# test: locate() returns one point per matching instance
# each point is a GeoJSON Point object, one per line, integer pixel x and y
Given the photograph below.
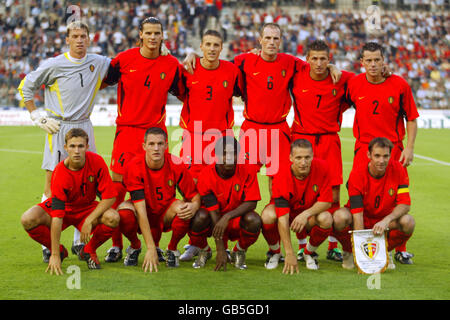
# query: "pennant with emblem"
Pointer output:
{"type": "Point", "coordinates": [369, 251]}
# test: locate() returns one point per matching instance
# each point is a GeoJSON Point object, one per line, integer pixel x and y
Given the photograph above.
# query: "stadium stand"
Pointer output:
{"type": "Point", "coordinates": [414, 32]}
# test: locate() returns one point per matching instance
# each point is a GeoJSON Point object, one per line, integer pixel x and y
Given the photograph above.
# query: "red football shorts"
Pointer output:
{"type": "Point", "coordinates": [265, 144]}
{"type": "Point", "coordinates": [74, 218]}
{"type": "Point", "coordinates": [198, 149]}
{"type": "Point", "coordinates": [127, 144]}
{"type": "Point", "coordinates": [156, 219]}
{"type": "Point", "coordinates": [326, 147]}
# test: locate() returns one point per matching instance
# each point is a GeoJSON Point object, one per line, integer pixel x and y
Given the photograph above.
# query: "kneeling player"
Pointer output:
{"type": "Point", "coordinates": [74, 186]}
{"type": "Point", "coordinates": [301, 196]}
{"type": "Point", "coordinates": [230, 192]}
{"type": "Point", "coordinates": [152, 180]}
{"type": "Point", "coordinates": [379, 199]}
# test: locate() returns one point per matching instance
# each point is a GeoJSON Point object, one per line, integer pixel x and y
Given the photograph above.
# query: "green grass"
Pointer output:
{"type": "Point", "coordinates": [22, 273]}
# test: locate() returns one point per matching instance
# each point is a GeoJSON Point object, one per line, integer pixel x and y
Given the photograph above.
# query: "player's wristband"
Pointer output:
{"type": "Point", "coordinates": [35, 115]}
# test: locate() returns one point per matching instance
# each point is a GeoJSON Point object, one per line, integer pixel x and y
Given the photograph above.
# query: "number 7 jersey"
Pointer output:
{"type": "Point", "coordinates": [381, 108]}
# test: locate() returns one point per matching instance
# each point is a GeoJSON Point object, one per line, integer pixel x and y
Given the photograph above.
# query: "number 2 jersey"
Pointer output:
{"type": "Point", "coordinates": [381, 108]}
{"type": "Point", "coordinates": [143, 85]}
{"type": "Point", "coordinates": [74, 191]}
{"type": "Point", "coordinates": [158, 187]}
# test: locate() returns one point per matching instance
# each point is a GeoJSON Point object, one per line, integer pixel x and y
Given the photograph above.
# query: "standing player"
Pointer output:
{"type": "Point", "coordinates": [378, 199]}
{"type": "Point", "coordinates": [381, 106]}
{"type": "Point", "coordinates": [144, 78]}
{"type": "Point", "coordinates": [207, 101]}
{"type": "Point", "coordinates": [265, 134]}
{"type": "Point", "coordinates": [301, 198]}
{"type": "Point", "coordinates": [71, 81]}
{"type": "Point", "coordinates": [318, 107]}
{"type": "Point", "coordinates": [230, 192]}
{"type": "Point", "coordinates": [76, 181]}
{"type": "Point", "coordinates": [207, 111]}
{"type": "Point", "coordinates": [152, 180]}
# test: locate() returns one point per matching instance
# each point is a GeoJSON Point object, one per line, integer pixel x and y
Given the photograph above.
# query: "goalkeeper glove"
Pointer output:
{"type": "Point", "coordinates": [49, 125]}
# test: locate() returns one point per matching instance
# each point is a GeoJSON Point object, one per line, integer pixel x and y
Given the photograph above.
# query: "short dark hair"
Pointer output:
{"type": "Point", "coordinates": [380, 142]}
{"type": "Point", "coordinates": [155, 131]}
{"type": "Point", "coordinates": [214, 33]}
{"type": "Point", "coordinates": [372, 47]}
{"type": "Point", "coordinates": [270, 25]}
{"type": "Point", "coordinates": [301, 143]}
{"type": "Point", "coordinates": [222, 142]}
{"type": "Point", "coordinates": [75, 133]}
{"type": "Point", "coordinates": [317, 45]}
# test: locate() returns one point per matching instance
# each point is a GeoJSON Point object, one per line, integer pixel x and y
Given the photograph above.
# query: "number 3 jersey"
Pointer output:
{"type": "Point", "coordinates": [158, 187]}
{"type": "Point", "coordinates": [209, 96]}
{"type": "Point", "coordinates": [70, 85]}
{"type": "Point", "coordinates": [381, 108]}
{"type": "Point", "coordinates": [143, 85]}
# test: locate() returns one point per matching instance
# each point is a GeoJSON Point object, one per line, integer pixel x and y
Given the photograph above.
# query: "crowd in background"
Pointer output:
{"type": "Point", "coordinates": [416, 42]}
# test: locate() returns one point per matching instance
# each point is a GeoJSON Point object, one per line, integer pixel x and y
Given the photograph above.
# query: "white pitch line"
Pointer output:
{"type": "Point", "coordinates": [431, 159]}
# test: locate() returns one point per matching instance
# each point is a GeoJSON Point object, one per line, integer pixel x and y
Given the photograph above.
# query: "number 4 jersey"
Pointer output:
{"type": "Point", "coordinates": [381, 108]}
{"type": "Point", "coordinates": [143, 85]}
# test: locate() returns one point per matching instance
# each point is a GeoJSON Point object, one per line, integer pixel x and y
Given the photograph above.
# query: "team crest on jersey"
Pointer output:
{"type": "Point", "coordinates": [162, 75]}
{"type": "Point", "coordinates": [315, 188]}
{"type": "Point", "coordinates": [91, 179]}
{"type": "Point", "coordinates": [170, 183]}
{"type": "Point", "coordinates": [334, 92]}
{"type": "Point", "coordinates": [370, 249]}
{"type": "Point", "coordinates": [283, 73]}
{"type": "Point", "coordinates": [391, 100]}
{"type": "Point", "coordinates": [225, 84]}
{"type": "Point", "coordinates": [237, 187]}
{"type": "Point", "coordinates": [391, 192]}
{"type": "Point", "coordinates": [92, 68]}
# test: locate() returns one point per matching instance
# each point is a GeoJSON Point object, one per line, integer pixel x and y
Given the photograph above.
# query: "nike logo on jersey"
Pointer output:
{"type": "Point", "coordinates": [305, 91]}
{"type": "Point", "coordinates": [256, 73]}
{"type": "Point", "coordinates": [132, 70]}
{"type": "Point", "coordinates": [194, 82]}
{"type": "Point", "coordinates": [360, 98]}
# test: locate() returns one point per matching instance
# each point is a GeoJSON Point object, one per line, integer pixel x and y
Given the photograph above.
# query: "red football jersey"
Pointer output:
{"type": "Point", "coordinates": [209, 96]}
{"type": "Point", "coordinates": [294, 195]}
{"type": "Point", "coordinates": [380, 108]}
{"type": "Point", "coordinates": [158, 187]}
{"type": "Point", "coordinates": [376, 198]}
{"type": "Point", "coordinates": [73, 191]}
{"type": "Point", "coordinates": [265, 86]}
{"type": "Point", "coordinates": [227, 194]}
{"type": "Point", "coordinates": [142, 87]}
{"type": "Point", "coordinates": [318, 105]}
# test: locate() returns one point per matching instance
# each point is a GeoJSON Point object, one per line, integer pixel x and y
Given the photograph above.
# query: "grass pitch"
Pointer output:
{"type": "Point", "coordinates": [22, 273]}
